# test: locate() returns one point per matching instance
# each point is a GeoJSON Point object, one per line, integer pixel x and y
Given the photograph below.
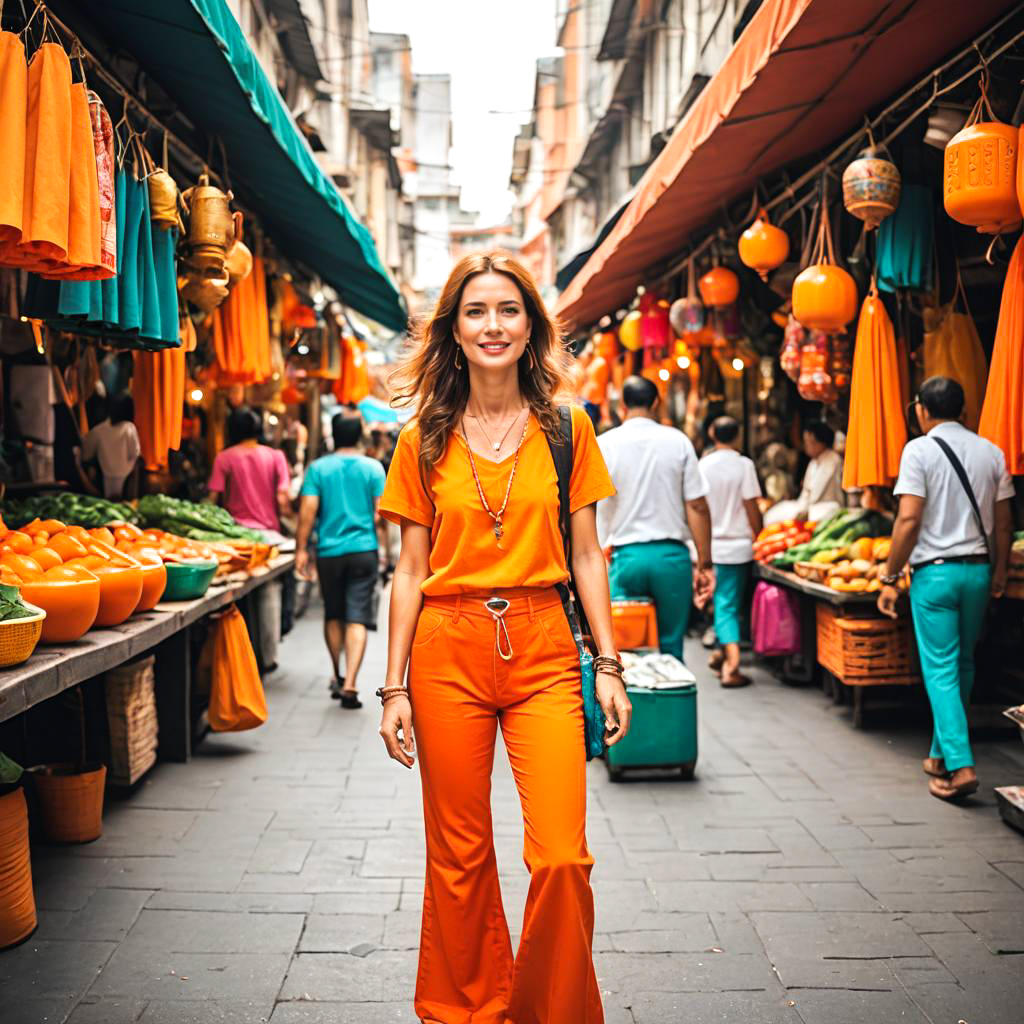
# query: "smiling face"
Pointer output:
{"type": "Point", "coordinates": [491, 323]}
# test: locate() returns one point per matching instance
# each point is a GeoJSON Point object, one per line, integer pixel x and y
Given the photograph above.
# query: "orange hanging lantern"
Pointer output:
{"type": "Point", "coordinates": [719, 287]}
{"type": "Point", "coordinates": [629, 331]}
{"type": "Point", "coordinates": [979, 185]}
{"type": "Point", "coordinates": [763, 246]}
{"type": "Point", "coordinates": [824, 295]}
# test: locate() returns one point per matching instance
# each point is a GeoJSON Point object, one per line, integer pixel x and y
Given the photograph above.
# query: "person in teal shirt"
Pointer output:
{"type": "Point", "coordinates": [954, 529]}
{"type": "Point", "coordinates": [340, 496]}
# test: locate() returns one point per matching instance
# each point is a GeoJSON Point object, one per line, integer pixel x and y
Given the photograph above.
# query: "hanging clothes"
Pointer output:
{"type": "Point", "coordinates": [877, 430]}
{"type": "Point", "coordinates": [1002, 415]}
{"type": "Point", "coordinates": [13, 110]}
{"type": "Point", "coordinates": [241, 331]}
{"type": "Point", "coordinates": [906, 242]}
{"type": "Point", "coordinates": [158, 388]}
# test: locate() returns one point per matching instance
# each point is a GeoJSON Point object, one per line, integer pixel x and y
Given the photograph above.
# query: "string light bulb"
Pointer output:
{"type": "Point", "coordinates": [196, 394]}
{"type": "Point", "coordinates": [683, 362]}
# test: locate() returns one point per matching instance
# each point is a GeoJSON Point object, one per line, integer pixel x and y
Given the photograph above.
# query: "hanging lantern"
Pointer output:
{"type": "Point", "coordinates": [686, 315]}
{"type": "Point", "coordinates": [763, 246]}
{"type": "Point", "coordinates": [980, 179]}
{"type": "Point", "coordinates": [792, 343]}
{"type": "Point", "coordinates": [655, 329]}
{"type": "Point", "coordinates": [815, 382]}
{"type": "Point", "coordinates": [824, 295]}
{"type": "Point", "coordinates": [871, 187]}
{"type": "Point", "coordinates": [629, 331]}
{"type": "Point", "coordinates": [719, 287]}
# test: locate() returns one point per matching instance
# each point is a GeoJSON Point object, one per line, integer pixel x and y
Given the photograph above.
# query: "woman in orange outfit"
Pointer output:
{"type": "Point", "coordinates": [478, 623]}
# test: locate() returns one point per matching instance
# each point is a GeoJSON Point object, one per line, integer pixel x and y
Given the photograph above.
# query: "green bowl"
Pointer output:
{"type": "Point", "coordinates": [187, 582]}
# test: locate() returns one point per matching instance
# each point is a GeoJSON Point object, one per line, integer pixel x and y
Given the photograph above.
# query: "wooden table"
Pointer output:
{"type": "Point", "coordinates": [165, 630]}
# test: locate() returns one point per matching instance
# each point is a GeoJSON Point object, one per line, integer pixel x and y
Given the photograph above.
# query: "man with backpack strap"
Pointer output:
{"type": "Point", "coordinates": [953, 529]}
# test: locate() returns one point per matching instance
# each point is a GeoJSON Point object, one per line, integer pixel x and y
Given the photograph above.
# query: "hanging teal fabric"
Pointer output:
{"type": "Point", "coordinates": [130, 293]}
{"type": "Point", "coordinates": [906, 242]}
{"type": "Point", "coordinates": [149, 295]}
{"type": "Point", "coordinates": [165, 241]}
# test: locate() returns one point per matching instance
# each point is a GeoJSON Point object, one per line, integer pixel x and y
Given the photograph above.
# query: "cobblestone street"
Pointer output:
{"type": "Point", "coordinates": [805, 876]}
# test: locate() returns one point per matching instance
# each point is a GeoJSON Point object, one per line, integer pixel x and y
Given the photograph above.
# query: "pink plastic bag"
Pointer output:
{"type": "Point", "coordinates": [775, 621]}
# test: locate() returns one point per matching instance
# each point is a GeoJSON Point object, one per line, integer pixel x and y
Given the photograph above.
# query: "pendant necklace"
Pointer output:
{"type": "Point", "coordinates": [480, 423]}
{"type": "Point", "coordinates": [499, 530]}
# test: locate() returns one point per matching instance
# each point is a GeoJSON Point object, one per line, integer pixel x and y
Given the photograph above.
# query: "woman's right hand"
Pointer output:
{"type": "Point", "coordinates": [396, 730]}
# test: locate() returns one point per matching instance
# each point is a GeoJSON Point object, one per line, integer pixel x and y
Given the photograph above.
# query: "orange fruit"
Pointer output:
{"type": "Point", "coordinates": [103, 534]}
{"type": "Point", "coordinates": [46, 557]}
{"type": "Point", "coordinates": [10, 577]}
{"type": "Point", "coordinates": [18, 542]}
{"type": "Point", "coordinates": [23, 566]}
{"type": "Point", "coordinates": [68, 546]}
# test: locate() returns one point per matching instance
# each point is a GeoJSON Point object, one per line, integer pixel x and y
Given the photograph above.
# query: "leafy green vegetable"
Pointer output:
{"type": "Point", "coordinates": [187, 519]}
{"type": "Point", "coordinates": [9, 771]}
{"type": "Point", "coordinates": [10, 604]}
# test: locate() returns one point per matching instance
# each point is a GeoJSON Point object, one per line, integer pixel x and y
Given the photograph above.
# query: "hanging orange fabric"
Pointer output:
{"type": "Point", "coordinates": [354, 384]}
{"type": "Point", "coordinates": [158, 387]}
{"type": "Point", "coordinates": [84, 255]}
{"type": "Point", "coordinates": [237, 701]}
{"type": "Point", "coordinates": [241, 331]}
{"type": "Point", "coordinates": [1002, 416]}
{"type": "Point", "coordinates": [877, 430]}
{"type": "Point", "coordinates": [47, 200]}
{"type": "Point", "coordinates": [14, 90]}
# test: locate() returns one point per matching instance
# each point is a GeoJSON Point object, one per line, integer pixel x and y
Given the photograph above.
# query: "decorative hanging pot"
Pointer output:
{"type": "Point", "coordinates": [209, 226]}
{"type": "Point", "coordinates": [655, 329]}
{"type": "Point", "coordinates": [163, 194]}
{"type": "Point", "coordinates": [629, 331]}
{"type": "Point", "coordinates": [763, 246]}
{"type": "Point", "coordinates": [979, 185]}
{"type": "Point", "coordinates": [871, 186]}
{"type": "Point", "coordinates": [719, 287]}
{"type": "Point", "coordinates": [792, 345]}
{"type": "Point", "coordinates": [238, 262]}
{"type": "Point", "coordinates": [686, 315]}
{"type": "Point", "coordinates": [824, 295]}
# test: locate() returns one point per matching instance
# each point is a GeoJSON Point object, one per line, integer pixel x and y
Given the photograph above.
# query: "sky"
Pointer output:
{"type": "Point", "coordinates": [491, 57]}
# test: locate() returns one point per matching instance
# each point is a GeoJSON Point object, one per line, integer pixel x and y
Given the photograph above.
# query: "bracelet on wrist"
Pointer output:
{"type": "Point", "coordinates": [386, 693]}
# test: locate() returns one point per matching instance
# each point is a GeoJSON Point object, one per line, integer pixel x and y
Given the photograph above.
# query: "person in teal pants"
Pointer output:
{"type": "Point", "coordinates": [953, 528]}
{"type": "Point", "coordinates": [733, 492]}
{"type": "Point", "coordinates": [659, 506]}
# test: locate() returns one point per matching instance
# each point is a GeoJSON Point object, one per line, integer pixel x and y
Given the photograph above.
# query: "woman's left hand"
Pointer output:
{"type": "Point", "coordinates": [611, 695]}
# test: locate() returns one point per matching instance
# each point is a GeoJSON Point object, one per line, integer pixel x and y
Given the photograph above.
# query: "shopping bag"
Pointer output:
{"type": "Point", "coordinates": [236, 690]}
{"type": "Point", "coordinates": [775, 621]}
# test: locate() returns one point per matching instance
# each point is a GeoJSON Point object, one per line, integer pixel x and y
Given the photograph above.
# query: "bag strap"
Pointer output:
{"type": "Point", "coordinates": [961, 473]}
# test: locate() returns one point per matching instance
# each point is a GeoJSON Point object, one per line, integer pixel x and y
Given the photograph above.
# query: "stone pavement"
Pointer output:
{"type": "Point", "coordinates": [805, 877]}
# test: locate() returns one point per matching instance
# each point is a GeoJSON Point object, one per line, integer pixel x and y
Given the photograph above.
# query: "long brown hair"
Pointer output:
{"type": "Point", "coordinates": [431, 378]}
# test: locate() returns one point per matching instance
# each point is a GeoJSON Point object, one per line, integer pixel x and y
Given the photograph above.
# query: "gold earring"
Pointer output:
{"type": "Point", "coordinates": [529, 355]}
{"type": "Point", "coordinates": [458, 352]}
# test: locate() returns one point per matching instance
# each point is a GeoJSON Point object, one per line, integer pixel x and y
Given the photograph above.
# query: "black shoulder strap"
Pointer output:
{"type": "Point", "coordinates": [958, 468]}
{"type": "Point", "coordinates": [562, 456]}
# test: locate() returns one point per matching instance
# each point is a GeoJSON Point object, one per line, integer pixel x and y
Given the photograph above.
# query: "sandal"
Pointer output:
{"type": "Point", "coordinates": [716, 661]}
{"type": "Point", "coordinates": [945, 790]}
{"type": "Point", "coordinates": [736, 681]}
{"type": "Point", "coordinates": [350, 700]}
{"type": "Point", "coordinates": [336, 685]}
{"type": "Point", "coordinates": [935, 767]}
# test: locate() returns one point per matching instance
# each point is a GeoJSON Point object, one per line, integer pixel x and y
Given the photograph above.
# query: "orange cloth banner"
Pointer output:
{"type": "Point", "coordinates": [1002, 416]}
{"type": "Point", "coordinates": [877, 430]}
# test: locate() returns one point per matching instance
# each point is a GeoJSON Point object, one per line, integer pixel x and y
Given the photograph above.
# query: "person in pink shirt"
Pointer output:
{"type": "Point", "coordinates": [252, 482]}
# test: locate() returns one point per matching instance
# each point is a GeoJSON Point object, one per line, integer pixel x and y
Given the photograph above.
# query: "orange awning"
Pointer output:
{"type": "Point", "coordinates": [803, 73]}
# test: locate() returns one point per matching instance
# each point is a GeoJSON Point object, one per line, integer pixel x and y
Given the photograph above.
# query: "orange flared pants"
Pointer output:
{"type": "Point", "coordinates": [462, 689]}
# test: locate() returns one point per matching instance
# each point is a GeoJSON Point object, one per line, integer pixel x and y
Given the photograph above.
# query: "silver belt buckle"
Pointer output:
{"type": "Point", "coordinates": [497, 606]}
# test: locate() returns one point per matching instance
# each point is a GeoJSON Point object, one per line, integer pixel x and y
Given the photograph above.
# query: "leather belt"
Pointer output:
{"type": "Point", "coordinates": [955, 558]}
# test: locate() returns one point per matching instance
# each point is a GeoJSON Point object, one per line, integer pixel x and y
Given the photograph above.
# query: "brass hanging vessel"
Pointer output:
{"type": "Point", "coordinates": [210, 227]}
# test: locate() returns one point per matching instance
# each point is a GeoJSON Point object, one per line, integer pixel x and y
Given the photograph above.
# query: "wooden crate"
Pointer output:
{"type": "Point", "coordinates": [867, 652]}
{"type": "Point", "coordinates": [132, 719]}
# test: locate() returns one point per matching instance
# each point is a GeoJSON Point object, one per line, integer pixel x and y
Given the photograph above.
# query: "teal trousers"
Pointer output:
{"type": "Point", "coordinates": [730, 589]}
{"type": "Point", "coordinates": [660, 570]}
{"type": "Point", "coordinates": [949, 602]}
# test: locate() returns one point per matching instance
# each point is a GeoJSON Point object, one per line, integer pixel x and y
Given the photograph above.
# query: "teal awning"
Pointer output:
{"type": "Point", "coordinates": [196, 51]}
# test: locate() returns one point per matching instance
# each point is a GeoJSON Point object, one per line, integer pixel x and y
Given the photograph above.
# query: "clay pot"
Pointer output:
{"type": "Point", "coordinates": [979, 185]}
{"type": "Point", "coordinates": [719, 287]}
{"type": "Point", "coordinates": [763, 246]}
{"type": "Point", "coordinates": [871, 187]}
{"type": "Point", "coordinates": [71, 802]}
{"type": "Point", "coordinates": [824, 298]}
{"type": "Point", "coordinates": [17, 901]}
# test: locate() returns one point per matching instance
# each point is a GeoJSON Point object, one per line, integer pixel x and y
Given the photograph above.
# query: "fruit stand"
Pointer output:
{"type": "Point", "coordinates": [165, 630]}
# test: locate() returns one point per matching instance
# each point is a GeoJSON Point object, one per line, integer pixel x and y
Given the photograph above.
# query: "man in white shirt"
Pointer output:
{"type": "Point", "coordinates": [114, 444]}
{"type": "Point", "coordinates": [733, 490]}
{"type": "Point", "coordinates": [947, 528]}
{"type": "Point", "coordinates": [821, 493]}
{"type": "Point", "coordinates": [659, 491]}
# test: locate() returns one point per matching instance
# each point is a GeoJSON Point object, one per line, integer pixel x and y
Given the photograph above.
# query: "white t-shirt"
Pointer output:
{"type": "Point", "coordinates": [116, 447]}
{"type": "Point", "coordinates": [823, 481]}
{"type": "Point", "coordinates": [948, 526]}
{"type": "Point", "coordinates": [731, 480]}
{"type": "Point", "coordinates": [654, 469]}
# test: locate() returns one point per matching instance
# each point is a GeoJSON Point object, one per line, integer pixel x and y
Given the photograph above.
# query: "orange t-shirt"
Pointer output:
{"type": "Point", "coordinates": [464, 554]}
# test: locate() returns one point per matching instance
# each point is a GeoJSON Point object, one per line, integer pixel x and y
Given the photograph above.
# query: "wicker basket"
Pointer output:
{"type": "Point", "coordinates": [18, 637]}
{"type": "Point", "coordinates": [867, 652]}
{"type": "Point", "coordinates": [132, 719]}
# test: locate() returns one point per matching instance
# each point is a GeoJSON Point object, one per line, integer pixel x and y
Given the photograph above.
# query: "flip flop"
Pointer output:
{"type": "Point", "coordinates": [736, 681]}
{"type": "Point", "coordinates": [930, 767]}
{"type": "Point", "coordinates": [716, 661]}
{"type": "Point", "coordinates": [945, 791]}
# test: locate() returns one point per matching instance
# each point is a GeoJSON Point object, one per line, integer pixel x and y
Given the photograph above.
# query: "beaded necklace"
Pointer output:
{"type": "Point", "coordinates": [499, 530]}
